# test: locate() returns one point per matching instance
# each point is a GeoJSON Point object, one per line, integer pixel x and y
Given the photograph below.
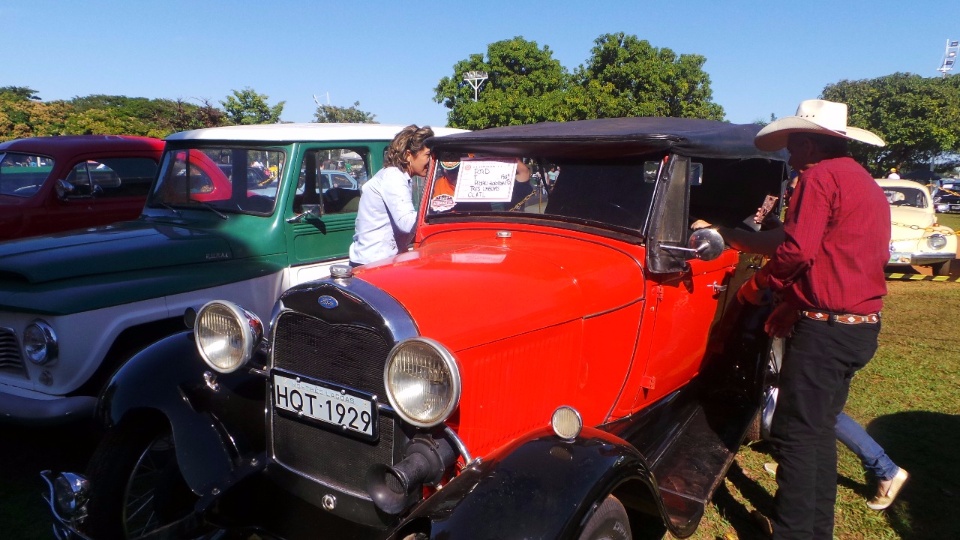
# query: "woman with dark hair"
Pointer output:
{"type": "Point", "coordinates": [386, 216]}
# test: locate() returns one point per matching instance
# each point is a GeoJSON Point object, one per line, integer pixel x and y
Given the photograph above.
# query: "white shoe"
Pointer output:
{"type": "Point", "coordinates": [771, 468]}
{"type": "Point", "coordinates": [887, 490]}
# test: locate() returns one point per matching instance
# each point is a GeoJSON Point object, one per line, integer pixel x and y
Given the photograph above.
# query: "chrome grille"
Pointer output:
{"type": "Point", "coordinates": [346, 355]}
{"type": "Point", "coordinates": [338, 460]}
{"type": "Point", "coordinates": [10, 359]}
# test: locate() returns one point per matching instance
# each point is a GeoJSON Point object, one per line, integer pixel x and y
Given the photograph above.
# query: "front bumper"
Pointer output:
{"type": "Point", "coordinates": [15, 407]}
{"type": "Point", "coordinates": [919, 259]}
{"type": "Point", "coordinates": [947, 207]}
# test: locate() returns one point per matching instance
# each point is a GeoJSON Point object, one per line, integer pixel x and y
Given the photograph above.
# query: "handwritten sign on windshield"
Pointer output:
{"type": "Point", "coordinates": [485, 180]}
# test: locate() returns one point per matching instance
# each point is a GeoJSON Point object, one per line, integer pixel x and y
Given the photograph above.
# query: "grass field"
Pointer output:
{"type": "Point", "coordinates": [908, 397]}
{"type": "Point", "coordinates": [950, 220]}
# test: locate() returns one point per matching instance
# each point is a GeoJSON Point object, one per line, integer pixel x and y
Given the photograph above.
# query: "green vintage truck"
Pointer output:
{"type": "Point", "coordinates": [239, 212]}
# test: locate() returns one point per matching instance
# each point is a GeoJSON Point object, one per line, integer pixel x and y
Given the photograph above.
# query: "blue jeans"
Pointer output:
{"type": "Point", "coordinates": [871, 454]}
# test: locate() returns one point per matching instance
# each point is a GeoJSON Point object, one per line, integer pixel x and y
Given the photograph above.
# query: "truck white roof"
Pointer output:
{"type": "Point", "coordinates": [311, 131]}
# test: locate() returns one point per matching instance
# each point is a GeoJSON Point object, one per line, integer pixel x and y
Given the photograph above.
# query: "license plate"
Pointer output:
{"type": "Point", "coordinates": [326, 403]}
{"type": "Point", "coordinates": [902, 258]}
{"type": "Point", "coordinates": [955, 206]}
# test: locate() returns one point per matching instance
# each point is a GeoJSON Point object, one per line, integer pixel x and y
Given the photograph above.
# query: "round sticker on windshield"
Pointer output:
{"type": "Point", "coordinates": [442, 203]}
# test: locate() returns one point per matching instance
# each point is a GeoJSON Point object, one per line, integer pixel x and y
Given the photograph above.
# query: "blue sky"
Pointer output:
{"type": "Point", "coordinates": [763, 57]}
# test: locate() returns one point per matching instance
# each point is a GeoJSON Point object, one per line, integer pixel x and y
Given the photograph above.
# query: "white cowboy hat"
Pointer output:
{"type": "Point", "coordinates": [813, 116]}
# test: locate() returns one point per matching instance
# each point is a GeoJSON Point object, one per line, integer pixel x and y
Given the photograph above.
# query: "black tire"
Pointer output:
{"type": "Point", "coordinates": [759, 428]}
{"type": "Point", "coordinates": [941, 269]}
{"type": "Point", "coordinates": [608, 522]}
{"type": "Point", "coordinates": [135, 483]}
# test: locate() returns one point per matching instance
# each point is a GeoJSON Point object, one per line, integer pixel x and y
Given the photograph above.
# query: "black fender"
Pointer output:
{"type": "Point", "coordinates": [218, 420]}
{"type": "Point", "coordinates": [540, 486]}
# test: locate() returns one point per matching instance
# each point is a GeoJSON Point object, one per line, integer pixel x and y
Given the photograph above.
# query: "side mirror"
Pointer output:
{"type": "Point", "coordinates": [707, 242]}
{"type": "Point", "coordinates": [311, 212]}
{"type": "Point", "coordinates": [704, 244]}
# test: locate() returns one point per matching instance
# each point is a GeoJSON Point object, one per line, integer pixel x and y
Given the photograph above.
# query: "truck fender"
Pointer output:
{"type": "Point", "coordinates": [206, 415]}
{"type": "Point", "coordinates": [540, 486]}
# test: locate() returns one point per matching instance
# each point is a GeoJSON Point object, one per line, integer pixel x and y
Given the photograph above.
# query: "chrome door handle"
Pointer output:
{"type": "Point", "coordinates": [717, 288]}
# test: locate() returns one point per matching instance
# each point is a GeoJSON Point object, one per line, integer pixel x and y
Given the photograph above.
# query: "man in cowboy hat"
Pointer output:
{"type": "Point", "coordinates": [828, 273]}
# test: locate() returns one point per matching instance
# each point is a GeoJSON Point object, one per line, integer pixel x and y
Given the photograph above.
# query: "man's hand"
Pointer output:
{"type": "Point", "coordinates": [751, 292]}
{"type": "Point", "coordinates": [780, 322]}
{"type": "Point", "coordinates": [700, 224]}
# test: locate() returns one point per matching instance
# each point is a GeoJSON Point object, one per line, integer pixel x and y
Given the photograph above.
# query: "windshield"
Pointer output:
{"type": "Point", "coordinates": [905, 196]}
{"type": "Point", "coordinates": [228, 179]}
{"type": "Point", "coordinates": [615, 193]}
{"type": "Point", "coordinates": [22, 175]}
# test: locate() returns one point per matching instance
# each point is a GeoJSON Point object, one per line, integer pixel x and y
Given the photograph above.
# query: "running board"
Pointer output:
{"type": "Point", "coordinates": [691, 469]}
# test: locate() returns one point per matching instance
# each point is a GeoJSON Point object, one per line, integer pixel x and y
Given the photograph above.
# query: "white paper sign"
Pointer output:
{"type": "Point", "coordinates": [485, 180]}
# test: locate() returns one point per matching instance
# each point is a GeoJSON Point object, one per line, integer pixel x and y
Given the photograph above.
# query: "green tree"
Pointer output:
{"type": "Point", "coordinates": [525, 84]}
{"type": "Point", "coordinates": [327, 114]}
{"type": "Point", "coordinates": [21, 117]}
{"type": "Point", "coordinates": [641, 80]}
{"type": "Point", "coordinates": [918, 117]}
{"type": "Point", "coordinates": [188, 116]}
{"type": "Point", "coordinates": [20, 92]}
{"type": "Point", "coordinates": [247, 107]}
{"type": "Point", "coordinates": [625, 76]}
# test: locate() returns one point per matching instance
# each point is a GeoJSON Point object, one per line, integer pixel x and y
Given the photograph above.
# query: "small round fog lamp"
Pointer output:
{"type": "Point", "coordinates": [566, 422]}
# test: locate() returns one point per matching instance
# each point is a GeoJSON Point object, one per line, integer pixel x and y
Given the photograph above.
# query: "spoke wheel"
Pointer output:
{"type": "Point", "coordinates": [136, 486]}
{"type": "Point", "coordinates": [770, 382]}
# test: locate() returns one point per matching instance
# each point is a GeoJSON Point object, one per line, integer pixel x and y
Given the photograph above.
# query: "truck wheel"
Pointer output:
{"type": "Point", "coordinates": [135, 483]}
{"type": "Point", "coordinates": [608, 522]}
{"type": "Point", "coordinates": [941, 269]}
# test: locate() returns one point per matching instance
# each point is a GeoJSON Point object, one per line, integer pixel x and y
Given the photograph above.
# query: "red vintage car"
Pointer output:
{"type": "Point", "coordinates": [53, 184]}
{"type": "Point", "coordinates": [563, 365]}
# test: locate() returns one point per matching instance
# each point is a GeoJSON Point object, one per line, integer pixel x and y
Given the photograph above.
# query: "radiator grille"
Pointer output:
{"type": "Point", "coordinates": [345, 355]}
{"type": "Point", "coordinates": [338, 460]}
{"type": "Point", "coordinates": [10, 359]}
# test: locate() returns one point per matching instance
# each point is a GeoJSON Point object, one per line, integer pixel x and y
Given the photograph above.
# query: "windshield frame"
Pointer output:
{"type": "Point", "coordinates": [627, 173]}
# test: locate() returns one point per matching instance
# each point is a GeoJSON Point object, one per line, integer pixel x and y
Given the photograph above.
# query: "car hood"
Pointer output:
{"type": "Point", "coordinates": [903, 216]}
{"type": "Point", "coordinates": [122, 247]}
{"type": "Point", "coordinates": [522, 283]}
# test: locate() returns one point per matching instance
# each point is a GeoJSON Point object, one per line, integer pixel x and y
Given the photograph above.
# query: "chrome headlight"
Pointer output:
{"type": "Point", "coordinates": [226, 335]}
{"type": "Point", "coordinates": [422, 381]}
{"type": "Point", "coordinates": [40, 343]}
{"type": "Point", "coordinates": [936, 241]}
{"type": "Point", "coordinates": [70, 492]}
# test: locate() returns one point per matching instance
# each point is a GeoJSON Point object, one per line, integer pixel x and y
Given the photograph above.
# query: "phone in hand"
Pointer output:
{"type": "Point", "coordinates": [765, 208]}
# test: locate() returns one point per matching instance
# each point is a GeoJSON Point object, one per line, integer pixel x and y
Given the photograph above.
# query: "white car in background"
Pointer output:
{"type": "Point", "coordinates": [916, 238]}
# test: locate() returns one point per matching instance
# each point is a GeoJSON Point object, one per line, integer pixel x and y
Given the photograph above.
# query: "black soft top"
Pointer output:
{"type": "Point", "coordinates": [607, 138]}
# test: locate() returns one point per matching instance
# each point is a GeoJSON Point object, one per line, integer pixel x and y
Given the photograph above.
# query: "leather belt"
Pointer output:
{"type": "Point", "coordinates": [842, 318]}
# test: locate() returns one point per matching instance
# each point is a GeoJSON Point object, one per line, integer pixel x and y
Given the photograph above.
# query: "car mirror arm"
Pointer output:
{"type": "Point", "coordinates": [704, 244]}
{"type": "Point", "coordinates": [311, 212]}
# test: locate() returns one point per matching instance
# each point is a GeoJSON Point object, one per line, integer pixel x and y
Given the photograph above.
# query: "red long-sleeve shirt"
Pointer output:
{"type": "Point", "coordinates": [837, 241]}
